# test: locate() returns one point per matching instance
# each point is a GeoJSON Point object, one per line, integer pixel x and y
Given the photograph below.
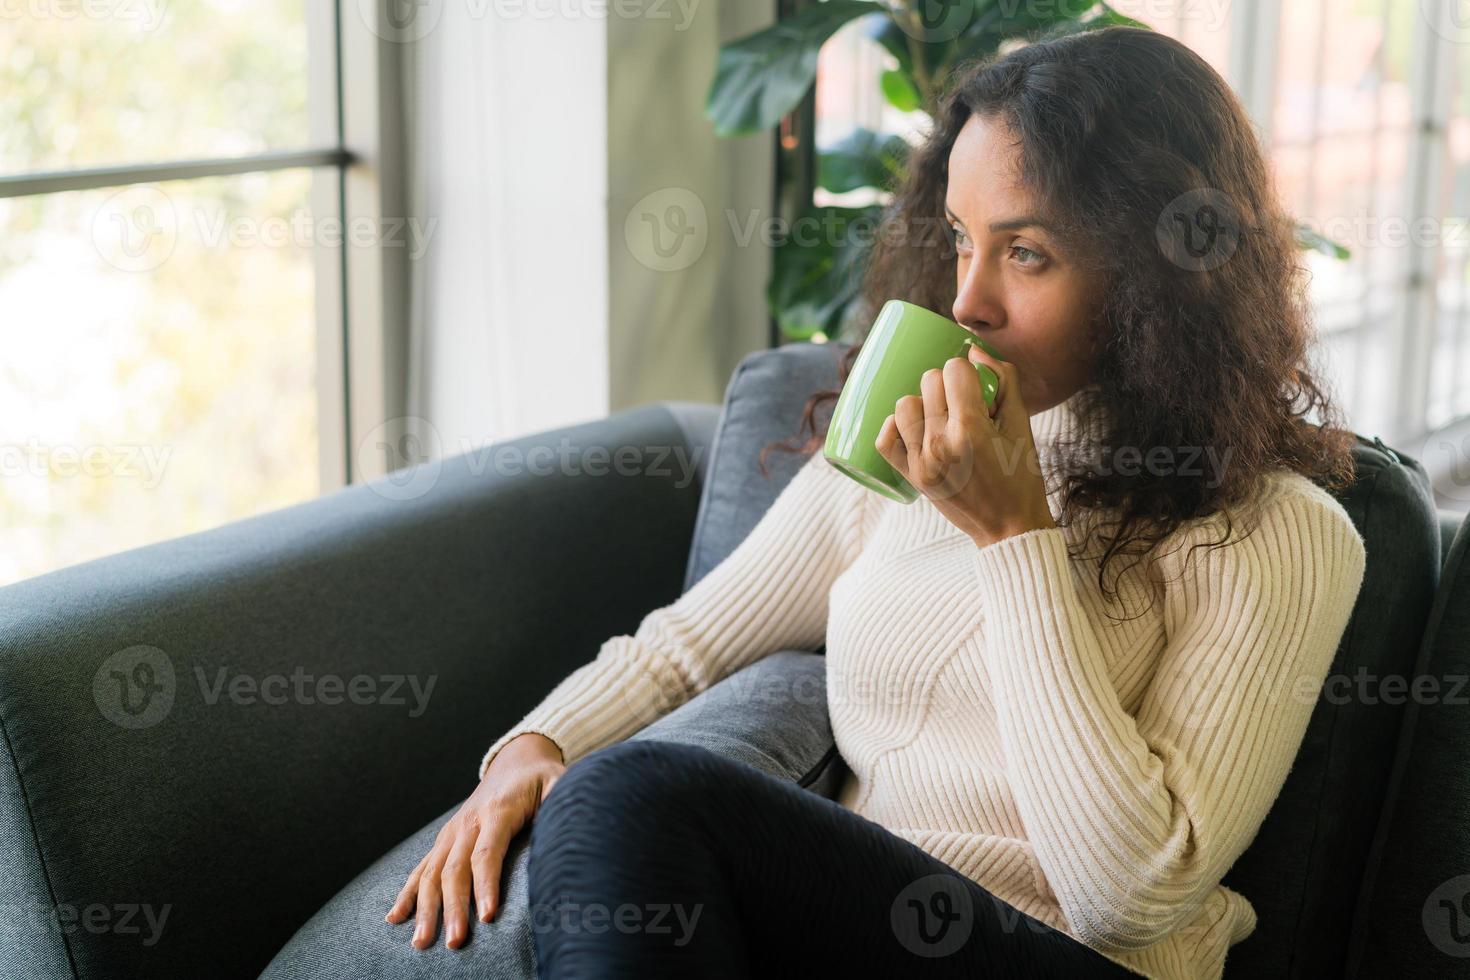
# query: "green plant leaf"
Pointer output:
{"type": "Point", "coordinates": [899, 90]}
{"type": "Point", "coordinates": [1310, 240]}
{"type": "Point", "coordinates": [883, 30]}
{"type": "Point", "coordinates": [762, 76]}
{"type": "Point", "coordinates": [816, 271]}
{"type": "Point", "coordinates": [863, 159]}
{"type": "Point", "coordinates": [1106, 17]}
{"type": "Point", "coordinates": [999, 22]}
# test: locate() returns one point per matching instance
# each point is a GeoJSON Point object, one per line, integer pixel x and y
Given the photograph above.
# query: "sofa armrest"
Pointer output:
{"type": "Point", "coordinates": [218, 731]}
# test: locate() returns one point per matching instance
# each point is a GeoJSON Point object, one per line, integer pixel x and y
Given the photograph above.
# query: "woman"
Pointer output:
{"type": "Point", "coordinates": [1070, 679]}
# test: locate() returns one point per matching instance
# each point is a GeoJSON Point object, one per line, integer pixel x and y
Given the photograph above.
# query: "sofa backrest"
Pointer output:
{"type": "Point", "coordinates": [1415, 919]}
{"type": "Point", "coordinates": [1303, 871]}
{"type": "Point", "coordinates": [763, 404]}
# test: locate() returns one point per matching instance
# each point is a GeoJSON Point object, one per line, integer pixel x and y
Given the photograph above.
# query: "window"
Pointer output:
{"type": "Point", "coordinates": [170, 270]}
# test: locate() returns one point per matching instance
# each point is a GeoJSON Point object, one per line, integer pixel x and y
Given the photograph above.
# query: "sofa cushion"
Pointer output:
{"type": "Point", "coordinates": [763, 403]}
{"type": "Point", "coordinates": [1413, 920]}
{"type": "Point", "coordinates": [348, 939]}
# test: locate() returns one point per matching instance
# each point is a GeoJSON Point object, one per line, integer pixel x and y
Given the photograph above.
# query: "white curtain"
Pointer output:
{"type": "Point", "coordinates": [506, 156]}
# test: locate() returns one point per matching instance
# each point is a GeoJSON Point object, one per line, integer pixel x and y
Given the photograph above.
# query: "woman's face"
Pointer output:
{"type": "Point", "coordinates": [1015, 287]}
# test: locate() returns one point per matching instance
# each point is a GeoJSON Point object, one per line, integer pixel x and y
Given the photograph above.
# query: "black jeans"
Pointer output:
{"type": "Point", "coordinates": [654, 859]}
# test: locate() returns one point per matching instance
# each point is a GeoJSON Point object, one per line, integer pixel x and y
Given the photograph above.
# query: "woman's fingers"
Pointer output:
{"type": "Point", "coordinates": [908, 413]}
{"type": "Point", "coordinates": [407, 894]}
{"type": "Point", "coordinates": [931, 392]}
{"type": "Point", "coordinates": [454, 885]}
{"type": "Point", "coordinates": [488, 859]}
{"type": "Point", "coordinates": [427, 916]}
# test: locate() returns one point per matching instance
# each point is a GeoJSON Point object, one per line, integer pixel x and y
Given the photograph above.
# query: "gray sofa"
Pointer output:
{"type": "Point", "coordinates": [207, 740]}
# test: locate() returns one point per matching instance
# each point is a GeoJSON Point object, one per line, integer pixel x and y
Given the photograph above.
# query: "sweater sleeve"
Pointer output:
{"type": "Point", "coordinates": [1136, 816]}
{"type": "Point", "coordinates": [769, 594]}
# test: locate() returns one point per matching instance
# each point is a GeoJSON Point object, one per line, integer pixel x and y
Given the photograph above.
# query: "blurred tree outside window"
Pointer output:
{"type": "Point", "coordinates": [159, 339]}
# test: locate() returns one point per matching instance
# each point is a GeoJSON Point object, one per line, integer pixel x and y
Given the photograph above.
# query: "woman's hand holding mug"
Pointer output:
{"type": "Point", "coordinates": [978, 465]}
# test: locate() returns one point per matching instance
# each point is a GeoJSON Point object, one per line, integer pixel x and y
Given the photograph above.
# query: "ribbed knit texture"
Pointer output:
{"type": "Point", "coordinates": [1101, 774]}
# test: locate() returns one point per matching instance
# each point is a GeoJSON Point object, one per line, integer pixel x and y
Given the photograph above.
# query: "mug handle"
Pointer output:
{"type": "Point", "coordinates": [989, 382]}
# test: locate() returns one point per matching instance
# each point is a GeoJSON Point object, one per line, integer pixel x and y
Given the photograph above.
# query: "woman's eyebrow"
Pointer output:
{"type": "Point", "coordinates": [1016, 224]}
{"type": "Point", "coordinates": [1009, 224]}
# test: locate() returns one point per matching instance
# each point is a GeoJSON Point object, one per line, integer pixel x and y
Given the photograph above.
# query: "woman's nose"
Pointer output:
{"type": "Point", "coordinates": [977, 302]}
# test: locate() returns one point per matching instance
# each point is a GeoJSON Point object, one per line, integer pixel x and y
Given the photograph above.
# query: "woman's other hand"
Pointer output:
{"type": "Point", "coordinates": [468, 855]}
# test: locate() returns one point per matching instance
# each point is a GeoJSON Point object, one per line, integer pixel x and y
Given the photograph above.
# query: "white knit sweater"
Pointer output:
{"type": "Point", "coordinates": [1100, 775]}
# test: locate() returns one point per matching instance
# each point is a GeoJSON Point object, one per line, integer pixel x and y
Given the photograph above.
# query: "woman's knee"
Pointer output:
{"type": "Point", "coordinates": [609, 799]}
{"type": "Point", "coordinates": [642, 775]}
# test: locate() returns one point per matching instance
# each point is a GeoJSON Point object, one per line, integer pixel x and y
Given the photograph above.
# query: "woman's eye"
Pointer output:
{"type": "Point", "coordinates": [960, 239]}
{"type": "Point", "coordinates": [1026, 256]}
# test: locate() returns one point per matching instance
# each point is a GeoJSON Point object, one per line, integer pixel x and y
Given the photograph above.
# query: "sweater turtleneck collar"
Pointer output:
{"type": "Point", "coordinates": [1064, 421]}
{"type": "Point", "coordinates": [1065, 429]}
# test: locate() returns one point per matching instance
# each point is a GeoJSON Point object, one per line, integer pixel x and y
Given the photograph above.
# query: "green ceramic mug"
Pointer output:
{"type": "Point", "coordinates": [905, 341]}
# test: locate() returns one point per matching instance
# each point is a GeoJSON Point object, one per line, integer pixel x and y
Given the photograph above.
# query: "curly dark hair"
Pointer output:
{"type": "Point", "coordinates": [1113, 127]}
